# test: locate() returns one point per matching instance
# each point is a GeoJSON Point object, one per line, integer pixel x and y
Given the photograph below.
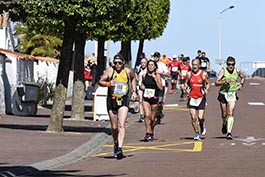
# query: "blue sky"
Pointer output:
{"type": "Point", "coordinates": [194, 24]}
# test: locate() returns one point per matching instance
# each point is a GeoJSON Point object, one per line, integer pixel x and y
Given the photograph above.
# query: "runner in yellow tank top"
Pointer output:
{"type": "Point", "coordinates": [227, 79]}
{"type": "Point", "coordinates": [116, 78]}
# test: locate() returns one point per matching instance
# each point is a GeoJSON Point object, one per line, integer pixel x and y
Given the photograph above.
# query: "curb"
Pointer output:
{"type": "Point", "coordinates": [87, 149]}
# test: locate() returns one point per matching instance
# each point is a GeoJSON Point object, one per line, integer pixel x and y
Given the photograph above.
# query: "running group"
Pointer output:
{"type": "Point", "coordinates": [150, 83]}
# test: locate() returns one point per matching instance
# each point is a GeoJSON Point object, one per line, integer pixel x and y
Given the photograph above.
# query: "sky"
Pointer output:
{"type": "Point", "coordinates": [195, 24]}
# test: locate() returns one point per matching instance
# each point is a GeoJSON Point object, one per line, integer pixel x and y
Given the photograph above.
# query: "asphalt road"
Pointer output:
{"type": "Point", "coordinates": [176, 154]}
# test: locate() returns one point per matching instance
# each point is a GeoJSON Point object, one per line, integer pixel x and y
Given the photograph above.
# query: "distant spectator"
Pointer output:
{"type": "Point", "coordinates": [205, 62]}
{"type": "Point", "coordinates": [165, 60]}
{"type": "Point", "coordinates": [93, 58]}
{"type": "Point", "coordinates": [199, 54]}
{"type": "Point", "coordinates": [88, 76]}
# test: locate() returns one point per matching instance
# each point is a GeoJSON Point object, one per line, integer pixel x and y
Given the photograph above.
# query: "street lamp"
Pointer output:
{"type": "Point", "coordinates": [220, 60]}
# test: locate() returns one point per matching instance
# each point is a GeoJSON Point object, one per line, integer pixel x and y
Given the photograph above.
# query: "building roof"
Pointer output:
{"type": "Point", "coordinates": [21, 56]}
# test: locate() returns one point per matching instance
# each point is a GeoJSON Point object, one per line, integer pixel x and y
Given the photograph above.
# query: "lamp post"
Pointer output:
{"type": "Point", "coordinates": [220, 60]}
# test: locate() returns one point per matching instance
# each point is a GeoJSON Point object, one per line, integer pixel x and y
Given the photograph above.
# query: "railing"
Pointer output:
{"type": "Point", "coordinates": [249, 68]}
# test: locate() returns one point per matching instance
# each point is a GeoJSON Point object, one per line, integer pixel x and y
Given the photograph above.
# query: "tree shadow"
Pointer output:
{"type": "Point", "coordinates": [76, 129]}
{"type": "Point", "coordinates": [33, 172]}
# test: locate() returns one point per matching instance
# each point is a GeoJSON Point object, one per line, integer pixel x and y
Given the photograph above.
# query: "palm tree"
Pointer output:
{"type": "Point", "coordinates": [32, 43]}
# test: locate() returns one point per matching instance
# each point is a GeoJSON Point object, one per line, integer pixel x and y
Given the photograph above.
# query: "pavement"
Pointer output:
{"type": "Point", "coordinates": [26, 147]}
{"type": "Point", "coordinates": [85, 148]}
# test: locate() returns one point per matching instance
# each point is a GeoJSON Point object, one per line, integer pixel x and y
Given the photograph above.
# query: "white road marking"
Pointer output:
{"type": "Point", "coordinates": [254, 83]}
{"type": "Point", "coordinates": [171, 105]}
{"type": "Point", "coordinates": [256, 103]}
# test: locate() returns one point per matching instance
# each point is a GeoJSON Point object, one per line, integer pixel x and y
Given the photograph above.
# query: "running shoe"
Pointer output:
{"type": "Point", "coordinates": [141, 118]}
{"type": "Point", "coordinates": [148, 137]}
{"type": "Point", "coordinates": [197, 137]}
{"type": "Point", "coordinates": [204, 131]}
{"type": "Point", "coordinates": [152, 137]}
{"type": "Point", "coordinates": [120, 154]}
{"type": "Point", "coordinates": [171, 91]}
{"type": "Point", "coordinates": [224, 128]}
{"type": "Point", "coordinates": [115, 151]}
{"type": "Point", "coordinates": [229, 136]}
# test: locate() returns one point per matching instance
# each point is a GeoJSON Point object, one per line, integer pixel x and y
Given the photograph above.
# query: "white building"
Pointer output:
{"type": "Point", "coordinates": [16, 68]}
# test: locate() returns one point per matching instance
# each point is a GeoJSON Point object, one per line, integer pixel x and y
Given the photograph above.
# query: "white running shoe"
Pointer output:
{"type": "Point", "coordinates": [197, 137]}
{"type": "Point", "coordinates": [204, 132]}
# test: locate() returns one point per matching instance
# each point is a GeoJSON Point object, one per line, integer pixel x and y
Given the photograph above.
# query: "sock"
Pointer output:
{"type": "Point", "coordinates": [230, 122]}
{"type": "Point", "coordinates": [224, 120]}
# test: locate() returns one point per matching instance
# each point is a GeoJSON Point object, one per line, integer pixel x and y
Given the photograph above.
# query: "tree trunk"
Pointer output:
{"type": "Point", "coordinates": [140, 51]}
{"type": "Point", "coordinates": [78, 101]}
{"type": "Point", "coordinates": [101, 60]}
{"type": "Point", "coordinates": [126, 52]}
{"type": "Point", "coordinates": [56, 119]}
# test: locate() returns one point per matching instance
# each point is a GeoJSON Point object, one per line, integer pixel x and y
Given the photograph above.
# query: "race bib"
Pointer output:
{"type": "Point", "coordinates": [230, 96]}
{"type": "Point", "coordinates": [149, 93]}
{"type": "Point", "coordinates": [184, 72]}
{"type": "Point", "coordinates": [175, 69]}
{"type": "Point", "coordinates": [204, 64]}
{"type": "Point", "coordinates": [195, 101]}
{"type": "Point", "coordinates": [120, 88]}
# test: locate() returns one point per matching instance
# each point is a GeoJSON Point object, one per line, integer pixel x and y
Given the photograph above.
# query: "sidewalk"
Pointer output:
{"type": "Point", "coordinates": [27, 147]}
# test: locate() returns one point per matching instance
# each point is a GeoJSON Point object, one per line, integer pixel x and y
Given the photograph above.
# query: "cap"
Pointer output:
{"type": "Point", "coordinates": [157, 54]}
{"type": "Point", "coordinates": [118, 56]}
{"type": "Point", "coordinates": [174, 56]}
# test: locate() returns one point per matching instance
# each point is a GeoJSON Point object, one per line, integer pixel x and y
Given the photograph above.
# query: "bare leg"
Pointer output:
{"type": "Point", "coordinates": [148, 116]}
{"type": "Point", "coordinates": [193, 114]}
{"type": "Point", "coordinates": [114, 125]}
{"type": "Point", "coordinates": [122, 116]}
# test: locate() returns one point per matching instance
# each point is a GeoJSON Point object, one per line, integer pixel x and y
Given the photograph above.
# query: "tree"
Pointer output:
{"type": "Point", "coordinates": [33, 43]}
{"type": "Point", "coordinates": [75, 15]}
{"type": "Point", "coordinates": [143, 20]}
{"type": "Point", "coordinates": [97, 20]}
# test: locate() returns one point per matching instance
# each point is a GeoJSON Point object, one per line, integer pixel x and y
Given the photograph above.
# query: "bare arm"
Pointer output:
{"type": "Point", "coordinates": [158, 81]}
{"type": "Point", "coordinates": [186, 86]}
{"type": "Point", "coordinates": [218, 81]}
{"type": "Point", "coordinates": [207, 82]}
{"type": "Point", "coordinates": [133, 82]}
{"type": "Point", "coordinates": [104, 80]}
{"type": "Point", "coordinates": [242, 77]}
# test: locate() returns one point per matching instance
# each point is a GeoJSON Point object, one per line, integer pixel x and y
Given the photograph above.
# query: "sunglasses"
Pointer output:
{"type": "Point", "coordinates": [117, 62]}
{"type": "Point", "coordinates": [230, 64]}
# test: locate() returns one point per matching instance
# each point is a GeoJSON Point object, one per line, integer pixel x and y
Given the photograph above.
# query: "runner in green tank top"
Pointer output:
{"type": "Point", "coordinates": [228, 80]}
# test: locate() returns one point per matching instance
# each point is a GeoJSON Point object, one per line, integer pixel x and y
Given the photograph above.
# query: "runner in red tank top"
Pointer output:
{"type": "Point", "coordinates": [198, 83]}
{"type": "Point", "coordinates": [184, 67]}
{"type": "Point", "coordinates": [174, 72]}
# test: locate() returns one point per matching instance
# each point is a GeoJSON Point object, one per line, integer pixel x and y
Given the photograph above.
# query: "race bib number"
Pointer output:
{"type": "Point", "coordinates": [149, 93]}
{"type": "Point", "coordinates": [230, 96]}
{"type": "Point", "coordinates": [120, 88]}
{"type": "Point", "coordinates": [184, 72]}
{"type": "Point", "coordinates": [203, 64]}
{"type": "Point", "coordinates": [175, 69]}
{"type": "Point", "coordinates": [195, 101]}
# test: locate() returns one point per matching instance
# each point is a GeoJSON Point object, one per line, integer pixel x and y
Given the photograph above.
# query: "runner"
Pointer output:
{"type": "Point", "coordinates": [227, 79]}
{"type": "Point", "coordinates": [117, 78]}
{"type": "Point", "coordinates": [163, 72]}
{"type": "Point", "coordinates": [151, 85]}
{"type": "Point", "coordinates": [198, 83]}
{"type": "Point", "coordinates": [173, 67]}
{"type": "Point", "coordinates": [142, 70]}
{"type": "Point", "coordinates": [184, 67]}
